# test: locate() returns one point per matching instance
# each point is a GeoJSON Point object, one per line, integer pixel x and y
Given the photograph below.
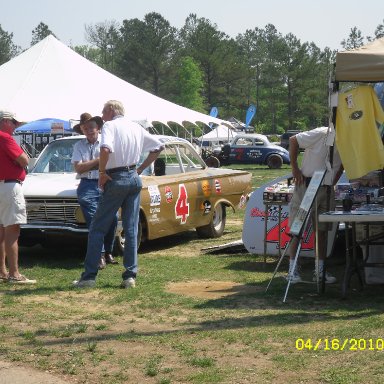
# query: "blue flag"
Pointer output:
{"type": "Point", "coordinates": [250, 114]}
{"type": "Point", "coordinates": [214, 112]}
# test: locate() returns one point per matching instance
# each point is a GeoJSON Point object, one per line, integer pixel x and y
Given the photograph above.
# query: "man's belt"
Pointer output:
{"type": "Point", "coordinates": [87, 178]}
{"type": "Point", "coordinates": [121, 169]}
{"type": "Point", "coordinates": [11, 181]}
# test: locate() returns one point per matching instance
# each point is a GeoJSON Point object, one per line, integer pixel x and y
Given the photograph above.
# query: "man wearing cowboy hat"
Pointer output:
{"type": "Point", "coordinates": [85, 159]}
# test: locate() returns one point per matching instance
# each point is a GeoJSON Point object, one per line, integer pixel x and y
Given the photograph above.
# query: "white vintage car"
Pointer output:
{"type": "Point", "coordinates": [184, 194]}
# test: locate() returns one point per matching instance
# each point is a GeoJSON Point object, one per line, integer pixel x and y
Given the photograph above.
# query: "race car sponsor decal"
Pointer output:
{"type": "Point", "coordinates": [237, 154]}
{"type": "Point", "coordinates": [206, 187]}
{"type": "Point", "coordinates": [308, 237]}
{"type": "Point", "coordinates": [168, 194]}
{"type": "Point", "coordinates": [154, 195]}
{"type": "Point", "coordinates": [182, 205]}
{"type": "Point", "coordinates": [206, 207]}
{"type": "Point", "coordinates": [217, 186]}
{"type": "Point", "coordinates": [153, 214]}
{"type": "Point", "coordinates": [254, 153]}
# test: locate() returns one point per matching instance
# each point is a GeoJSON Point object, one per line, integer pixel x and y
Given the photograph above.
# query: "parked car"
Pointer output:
{"type": "Point", "coordinates": [253, 149]}
{"type": "Point", "coordinates": [284, 138]}
{"type": "Point", "coordinates": [179, 193]}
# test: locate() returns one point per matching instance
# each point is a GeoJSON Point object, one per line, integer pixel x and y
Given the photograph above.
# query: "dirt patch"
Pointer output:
{"type": "Point", "coordinates": [210, 289]}
{"type": "Point", "coordinates": [10, 373]}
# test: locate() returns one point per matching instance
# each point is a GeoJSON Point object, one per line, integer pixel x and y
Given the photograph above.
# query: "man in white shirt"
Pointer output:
{"type": "Point", "coordinates": [315, 158]}
{"type": "Point", "coordinates": [122, 143]}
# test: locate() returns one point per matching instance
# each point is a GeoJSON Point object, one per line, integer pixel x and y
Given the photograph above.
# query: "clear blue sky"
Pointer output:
{"type": "Point", "coordinates": [325, 22]}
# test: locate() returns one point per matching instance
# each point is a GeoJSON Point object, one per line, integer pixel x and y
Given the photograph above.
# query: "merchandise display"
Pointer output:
{"type": "Point", "coordinates": [280, 192]}
{"type": "Point", "coordinates": [367, 189]}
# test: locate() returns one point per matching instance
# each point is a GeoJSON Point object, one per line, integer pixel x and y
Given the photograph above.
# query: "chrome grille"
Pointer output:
{"type": "Point", "coordinates": [52, 210]}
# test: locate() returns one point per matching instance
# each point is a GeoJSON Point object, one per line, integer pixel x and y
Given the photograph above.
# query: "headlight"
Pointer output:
{"type": "Point", "coordinates": [79, 215]}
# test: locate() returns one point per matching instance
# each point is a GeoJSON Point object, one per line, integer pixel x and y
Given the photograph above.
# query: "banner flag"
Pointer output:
{"type": "Point", "coordinates": [250, 114]}
{"type": "Point", "coordinates": [214, 112]}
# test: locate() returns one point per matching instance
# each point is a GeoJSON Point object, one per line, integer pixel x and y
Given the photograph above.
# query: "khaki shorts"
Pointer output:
{"type": "Point", "coordinates": [12, 204]}
{"type": "Point", "coordinates": [321, 200]}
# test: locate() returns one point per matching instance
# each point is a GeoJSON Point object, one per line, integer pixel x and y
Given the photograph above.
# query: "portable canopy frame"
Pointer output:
{"type": "Point", "coordinates": [35, 135]}
{"type": "Point", "coordinates": [361, 65]}
{"type": "Point", "coordinates": [364, 64]}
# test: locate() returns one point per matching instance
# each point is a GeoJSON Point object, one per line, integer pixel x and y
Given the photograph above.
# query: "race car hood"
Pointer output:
{"type": "Point", "coordinates": [50, 185]}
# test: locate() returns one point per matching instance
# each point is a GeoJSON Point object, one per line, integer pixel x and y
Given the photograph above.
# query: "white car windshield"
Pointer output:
{"type": "Point", "coordinates": [56, 158]}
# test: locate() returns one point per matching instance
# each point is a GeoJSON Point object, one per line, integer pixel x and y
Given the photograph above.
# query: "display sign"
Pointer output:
{"type": "Point", "coordinates": [57, 129]}
{"type": "Point", "coordinates": [306, 203]}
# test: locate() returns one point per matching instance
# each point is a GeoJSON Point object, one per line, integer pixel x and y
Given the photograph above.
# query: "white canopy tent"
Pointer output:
{"type": "Point", "coordinates": [221, 133]}
{"type": "Point", "coordinates": [51, 79]}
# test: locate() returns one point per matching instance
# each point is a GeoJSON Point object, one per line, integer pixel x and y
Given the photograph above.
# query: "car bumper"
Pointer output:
{"type": "Point", "coordinates": [51, 234]}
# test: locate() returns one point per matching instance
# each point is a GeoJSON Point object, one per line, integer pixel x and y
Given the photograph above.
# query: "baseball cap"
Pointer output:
{"type": "Point", "coordinates": [8, 115]}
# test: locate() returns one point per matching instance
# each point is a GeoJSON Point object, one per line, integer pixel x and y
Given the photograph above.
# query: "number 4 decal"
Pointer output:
{"type": "Point", "coordinates": [182, 205]}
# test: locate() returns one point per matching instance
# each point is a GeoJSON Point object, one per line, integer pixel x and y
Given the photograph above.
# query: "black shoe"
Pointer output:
{"type": "Point", "coordinates": [102, 263]}
{"type": "Point", "coordinates": [109, 259]}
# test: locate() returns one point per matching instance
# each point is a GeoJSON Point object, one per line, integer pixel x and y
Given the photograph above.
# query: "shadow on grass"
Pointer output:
{"type": "Point", "coordinates": [168, 242]}
{"type": "Point", "coordinates": [228, 323]}
{"type": "Point", "coordinates": [68, 257]}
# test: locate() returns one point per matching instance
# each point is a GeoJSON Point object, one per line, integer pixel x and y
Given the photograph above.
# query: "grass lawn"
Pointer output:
{"type": "Point", "coordinates": [193, 318]}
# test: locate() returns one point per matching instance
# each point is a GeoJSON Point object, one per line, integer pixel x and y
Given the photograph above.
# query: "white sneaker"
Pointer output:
{"type": "Point", "coordinates": [293, 277]}
{"type": "Point", "coordinates": [329, 279]}
{"type": "Point", "coordinates": [84, 283]}
{"type": "Point", "coordinates": [128, 283]}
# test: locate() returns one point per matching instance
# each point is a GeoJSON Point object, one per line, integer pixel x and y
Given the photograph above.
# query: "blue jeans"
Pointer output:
{"type": "Point", "coordinates": [122, 191]}
{"type": "Point", "coordinates": [88, 195]}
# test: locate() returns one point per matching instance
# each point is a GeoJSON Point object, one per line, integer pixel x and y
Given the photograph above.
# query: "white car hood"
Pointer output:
{"type": "Point", "coordinates": [50, 185]}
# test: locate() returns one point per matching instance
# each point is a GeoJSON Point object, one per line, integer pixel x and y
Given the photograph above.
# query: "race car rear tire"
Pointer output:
{"type": "Point", "coordinates": [274, 161]}
{"type": "Point", "coordinates": [216, 226]}
{"type": "Point", "coordinates": [212, 162]}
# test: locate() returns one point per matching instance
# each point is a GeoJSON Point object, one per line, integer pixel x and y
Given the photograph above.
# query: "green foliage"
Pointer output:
{"type": "Point", "coordinates": [190, 84]}
{"type": "Point", "coordinates": [90, 53]}
{"type": "Point", "coordinates": [40, 33]}
{"type": "Point", "coordinates": [145, 51]}
{"type": "Point", "coordinates": [203, 41]}
{"type": "Point", "coordinates": [7, 48]}
{"type": "Point", "coordinates": [104, 36]}
{"type": "Point", "coordinates": [354, 40]}
{"type": "Point", "coordinates": [379, 31]}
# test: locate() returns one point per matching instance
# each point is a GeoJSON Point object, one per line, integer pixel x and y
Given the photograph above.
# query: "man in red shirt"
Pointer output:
{"type": "Point", "coordinates": [13, 161]}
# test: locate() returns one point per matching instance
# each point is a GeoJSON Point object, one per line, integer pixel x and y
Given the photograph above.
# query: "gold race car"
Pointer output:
{"type": "Point", "coordinates": [180, 192]}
